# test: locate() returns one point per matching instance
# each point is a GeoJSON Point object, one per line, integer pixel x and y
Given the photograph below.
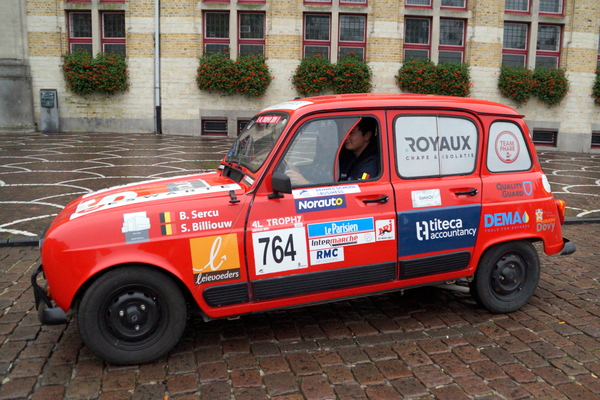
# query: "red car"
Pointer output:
{"type": "Point", "coordinates": [319, 199]}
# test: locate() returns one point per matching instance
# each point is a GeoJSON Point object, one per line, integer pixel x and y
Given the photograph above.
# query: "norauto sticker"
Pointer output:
{"type": "Point", "coordinates": [325, 191]}
{"type": "Point", "coordinates": [157, 192]}
{"type": "Point", "coordinates": [320, 203]}
{"type": "Point", "coordinates": [215, 258]}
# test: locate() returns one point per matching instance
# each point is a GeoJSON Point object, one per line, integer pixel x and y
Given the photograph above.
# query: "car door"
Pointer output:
{"type": "Point", "coordinates": [437, 185]}
{"type": "Point", "coordinates": [328, 238]}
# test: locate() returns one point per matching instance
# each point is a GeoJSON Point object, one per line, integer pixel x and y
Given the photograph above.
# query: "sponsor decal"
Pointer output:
{"type": "Point", "coordinates": [205, 224]}
{"type": "Point", "coordinates": [507, 147]}
{"type": "Point", "coordinates": [279, 250]}
{"type": "Point", "coordinates": [157, 192]}
{"type": "Point", "coordinates": [384, 229]}
{"type": "Point", "coordinates": [424, 144]}
{"type": "Point", "coordinates": [136, 227]}
{"type": "Point", "coordinates": [426, 198]}
{"type": "Point", "coordinates": [439, 229]}
{"type": "Point", "coordinates": [320, 203]}
{"type": "Point", "coordinates": [505, 221]}
{"type": "Point", "coordinates": [166, 228]}
{"type": "Point", "coordinates": [220, 263]}
{"type": "Point", "coordinates": [325, 191]}
{"type": "Point", "coordinates": [341, 233]}
{"type": "Point", "coordinates": [516, 189]}
{"type": "Point", "coordinates": [326, 256]}
{"type": "Point", "coordinates": [268, 119]}
{"type": "Point", "coordinates": [296, 220]}
{"type": "Point", "coordinates": [543, 224]}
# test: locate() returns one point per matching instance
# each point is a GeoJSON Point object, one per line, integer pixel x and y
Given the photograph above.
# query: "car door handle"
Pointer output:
{"type": "Point", "coordinates": [471, 192]}
{"type": "Point", "coordinates": [382, 199]}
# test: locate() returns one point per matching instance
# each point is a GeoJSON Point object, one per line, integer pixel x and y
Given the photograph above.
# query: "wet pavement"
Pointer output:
{"type": "Point", "coordinates": [40, 174]}
{"type": "Point", "coordinates": [421, 344]}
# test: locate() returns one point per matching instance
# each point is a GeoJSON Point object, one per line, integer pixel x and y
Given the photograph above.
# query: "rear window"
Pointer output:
{"type": "Point", "coordinates": [434, 146]}
{"type": "Point", "coordinates": [507, 148]}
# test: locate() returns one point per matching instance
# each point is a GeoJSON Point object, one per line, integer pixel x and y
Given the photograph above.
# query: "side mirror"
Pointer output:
{"type": "Point", "coordinates": [280, 183]}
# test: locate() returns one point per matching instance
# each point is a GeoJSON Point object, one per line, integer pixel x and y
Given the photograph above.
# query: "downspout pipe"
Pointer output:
{"type": "Point", "coordinates": [157, 104]}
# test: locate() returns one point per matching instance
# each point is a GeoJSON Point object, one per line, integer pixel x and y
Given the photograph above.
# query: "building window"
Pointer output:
{"type": "Point", "coordinates": [598, 62]}
{"type": "Point", "coordinates": [514, 48]}
{"type": "Point", "coordinates": [454, 4]}
{"type": "Point", "coordinates": [319, 2]}
{"type": "Point", "coordinates": [551, 7]}
{"type": "Point", "coordinates": [519, 6]}
{"type": "Point", "coordinates": [214, 127]}
{"type": "Point", "coordinates": [216, 32]}
{"type": "Point", "coordinates": [452, 43]}
{"type": "Point", "coordinates": [317, 35]}
{"type": "Point", "coordinates": [112, 32]}
{"type": "Point", "coordinates": [352, 35]}
{"type": "Point", "coordinates": [80, 31]}
{"type": "Point", "coordinates": [545, 137]}
{"type": "Point", "coordinates": [596, 139]}
{"type": "Point", "coordinates": [353, 2]}
{"type": "Point", "coordinates": [252, 34]}
{"type": "Point", "coordinates": [418, 3]}
{"type": "Point", "coordinates": [416, 38]}
{"type": "Point", "coordinates": [241, 124]}
{"type": "Point", "coordinates": [548, 46]}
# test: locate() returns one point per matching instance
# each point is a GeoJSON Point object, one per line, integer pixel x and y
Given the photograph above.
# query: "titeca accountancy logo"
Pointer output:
{"type": "Point", "coordinates": [442, 228]}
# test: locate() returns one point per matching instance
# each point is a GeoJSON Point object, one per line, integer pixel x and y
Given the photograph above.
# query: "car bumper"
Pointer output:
{"type": "Point", "coordinates": [47, 314]}
{"type": "Point", "coordinates": [568, 247]}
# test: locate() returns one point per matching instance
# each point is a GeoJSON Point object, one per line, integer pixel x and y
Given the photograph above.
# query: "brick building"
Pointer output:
{"type": "Point", "coordinates": [483, 33]}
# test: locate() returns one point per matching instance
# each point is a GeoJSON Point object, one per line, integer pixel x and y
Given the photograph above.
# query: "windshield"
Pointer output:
{"type": "Point", "coordinates": [257, 140]}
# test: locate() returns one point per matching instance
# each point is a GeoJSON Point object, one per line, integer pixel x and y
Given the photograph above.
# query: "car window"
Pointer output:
{"type": "Point", "coordinates": [312, 157]}
{"type": "Point", "coordinates": [430, 145]}
{"type": "Point", "coordinates": [507, 149]}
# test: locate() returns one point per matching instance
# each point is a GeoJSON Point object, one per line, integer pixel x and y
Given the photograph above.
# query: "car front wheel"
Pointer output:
{"type": "Point", "coordinates": [132, 315]}
{"type": "Point", "coordinates": [506, 277]}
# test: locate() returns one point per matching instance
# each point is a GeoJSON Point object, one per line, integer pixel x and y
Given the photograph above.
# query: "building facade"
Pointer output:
{"type": "Point", "coordinates": [163, 93]}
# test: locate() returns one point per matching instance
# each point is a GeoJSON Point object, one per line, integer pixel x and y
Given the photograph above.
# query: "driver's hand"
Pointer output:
{"type": "Point", "coordinates": [296, 177]}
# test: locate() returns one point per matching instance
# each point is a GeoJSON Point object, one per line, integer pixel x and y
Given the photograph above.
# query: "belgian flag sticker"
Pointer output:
{"type": "Point", "coordinates": [166, 228]}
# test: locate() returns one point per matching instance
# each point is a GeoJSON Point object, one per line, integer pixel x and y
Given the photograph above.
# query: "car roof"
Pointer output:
{"type": "Point", "coordinates": [392, 100]}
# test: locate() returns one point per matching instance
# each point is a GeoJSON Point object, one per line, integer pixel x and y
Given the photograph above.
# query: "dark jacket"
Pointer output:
{"type": "Point", "coordinates": [365, 166]}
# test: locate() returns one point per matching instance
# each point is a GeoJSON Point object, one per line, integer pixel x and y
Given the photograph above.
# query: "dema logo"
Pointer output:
{"type": "Point", "coordinates": [505, 219]}
{"type": "Point", "coordinates": [320, 203]}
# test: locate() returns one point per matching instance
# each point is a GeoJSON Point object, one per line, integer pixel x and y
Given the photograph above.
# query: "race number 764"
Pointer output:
{"type": "Point", "coordinates": [279, 250]}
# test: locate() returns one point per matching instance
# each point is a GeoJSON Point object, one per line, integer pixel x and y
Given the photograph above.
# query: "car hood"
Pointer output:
{"type": "Point", "coordinates": [206, 185]}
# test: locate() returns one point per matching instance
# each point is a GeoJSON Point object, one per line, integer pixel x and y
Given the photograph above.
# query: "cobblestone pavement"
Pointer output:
{"type": "Point", "coordinates": [40, 174]}
{"type": "Point", "coordinates": [427, 343]}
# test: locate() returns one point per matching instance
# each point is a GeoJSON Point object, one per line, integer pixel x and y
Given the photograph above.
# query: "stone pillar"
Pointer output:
{"type": "Point", "coordinates": [16, 96]}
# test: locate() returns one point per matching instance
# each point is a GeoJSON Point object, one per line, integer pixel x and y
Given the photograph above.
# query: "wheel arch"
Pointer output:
{"type": "Point", "coordinates": [185, 291]}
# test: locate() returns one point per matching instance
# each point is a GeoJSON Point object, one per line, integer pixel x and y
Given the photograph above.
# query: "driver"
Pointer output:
{"type": "Point", "coordinates": [359, 159]}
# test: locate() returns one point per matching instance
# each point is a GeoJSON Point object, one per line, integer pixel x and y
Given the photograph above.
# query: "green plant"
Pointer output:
{"type": "Point", "coordinates": [424, 77]}
{"type": "Point", "coordinates": [247, 75]}
{"type": "Point", "coordinates": [106, 73]}
{"type": "Point", "coordinates": [519, 84]}
{"type": "Point", "coordinates": [551, 85]}
{"type": "Point", "coordinates": [352, 75]}
{"type": "Point", "coordinates": [596, 88]}
{"type": "Point", "coordinates": [314, 75]}
{"type": "Point", "coordinates": [516, 83]}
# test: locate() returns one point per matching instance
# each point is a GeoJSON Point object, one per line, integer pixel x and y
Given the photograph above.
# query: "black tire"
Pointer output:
{"type": "Point", "coordinates": [132, 315]}
{"type": "Point", "coordinates": [506, 277]}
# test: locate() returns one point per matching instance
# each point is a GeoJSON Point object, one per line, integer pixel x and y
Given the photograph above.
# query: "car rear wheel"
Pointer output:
{"type": "Point", "coordinates": [132, 315]}
{"type": "Point", "coordinates": [507, 276]}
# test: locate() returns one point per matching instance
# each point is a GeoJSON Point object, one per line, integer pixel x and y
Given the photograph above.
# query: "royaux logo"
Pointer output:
{"type": "Point", "coordinates": [320, 203]}
{"type": "Point", "coordinates": [424, 144]}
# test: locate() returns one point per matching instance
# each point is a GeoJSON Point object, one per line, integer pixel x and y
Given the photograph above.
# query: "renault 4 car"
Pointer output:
{"type": "Point", "coordinates": [319, 199]}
